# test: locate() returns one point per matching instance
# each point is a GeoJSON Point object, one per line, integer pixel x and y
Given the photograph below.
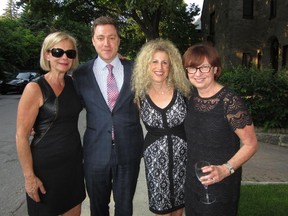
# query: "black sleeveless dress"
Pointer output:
{"type": "Point", "coordinates": [209, 127]}
{"type": "Point", "coordinates": [57, 151]}
{"type": "Point", "coordinates": [165, 153]}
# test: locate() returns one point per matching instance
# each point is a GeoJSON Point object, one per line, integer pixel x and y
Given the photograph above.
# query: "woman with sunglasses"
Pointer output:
{"type": "Point", "coordinates": [217, 121]}
{"type": "Point", "coordinates": [52, 163]}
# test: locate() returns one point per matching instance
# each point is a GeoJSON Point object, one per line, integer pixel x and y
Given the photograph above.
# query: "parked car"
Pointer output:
{"type": "Point", "coordinates": [17, 83]}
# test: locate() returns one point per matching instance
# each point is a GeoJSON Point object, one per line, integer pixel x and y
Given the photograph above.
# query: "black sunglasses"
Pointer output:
{"type": "Point", "coordinates": [58, 52]}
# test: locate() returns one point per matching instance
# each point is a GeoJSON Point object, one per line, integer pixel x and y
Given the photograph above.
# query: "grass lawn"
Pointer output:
{"type": "Point", "coordinates": [264, 200]}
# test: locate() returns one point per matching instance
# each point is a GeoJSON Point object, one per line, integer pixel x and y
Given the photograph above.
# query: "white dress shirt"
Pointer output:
{"type": "Point", "coordinates": [101, 72]}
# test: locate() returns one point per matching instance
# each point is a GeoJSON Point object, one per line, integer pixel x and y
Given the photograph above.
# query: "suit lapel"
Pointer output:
{"type": "Point", "coordinates": [97, 94]}
{"type": "Point", "coordinates": [125, 90]}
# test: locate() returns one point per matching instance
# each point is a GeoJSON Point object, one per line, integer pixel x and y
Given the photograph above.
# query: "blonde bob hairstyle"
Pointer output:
{"type": "Point", "coordinates": [141, 80]}
{"type": "Point", "coordinates": [50, 41]}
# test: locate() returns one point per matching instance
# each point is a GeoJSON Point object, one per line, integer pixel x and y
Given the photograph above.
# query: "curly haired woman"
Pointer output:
{"type": "Point", "coordinates": [160, 85]}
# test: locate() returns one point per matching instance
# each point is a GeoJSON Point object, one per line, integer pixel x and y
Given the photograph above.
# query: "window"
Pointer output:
{"type": "Point", "coordinates": [212, 24]}
{"type": "Point", "coordinates": [274, 49]}
{"type": "Point", "coordinates": [259, 59]}
{"type": "Point", "coordinates": [248, 9]}
{"type": "Point", "coordinates": [273, 8]}
{"type": "Point", "coordinates": [211, 36]}
{"type": "Point", "coordinates": [246, 60]}
{"type": "Point", "coordinates": [285, 56]}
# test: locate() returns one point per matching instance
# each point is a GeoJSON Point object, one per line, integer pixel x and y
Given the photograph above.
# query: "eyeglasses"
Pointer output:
{"type": "Point", "coordinates": [202, 69]}
{"type": "Point", "coordinates": [58, 52]}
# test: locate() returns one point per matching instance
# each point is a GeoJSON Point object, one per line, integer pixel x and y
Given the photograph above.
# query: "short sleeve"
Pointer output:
{"type": "Point", "coordinates": [236, 111]}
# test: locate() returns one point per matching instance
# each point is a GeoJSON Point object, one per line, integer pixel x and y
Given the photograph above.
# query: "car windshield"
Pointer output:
{"type": "Point", "coordinates": [24, 76]}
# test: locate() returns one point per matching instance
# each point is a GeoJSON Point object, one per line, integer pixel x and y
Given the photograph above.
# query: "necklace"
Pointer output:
{"type": "Point", "coordinates": [162, 90]}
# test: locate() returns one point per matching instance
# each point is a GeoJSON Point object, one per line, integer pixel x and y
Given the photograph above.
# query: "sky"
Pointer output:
{"type": "Point", "coordinates": [197, 2]}
{"type": "Point", "coordinates": [3, 4]}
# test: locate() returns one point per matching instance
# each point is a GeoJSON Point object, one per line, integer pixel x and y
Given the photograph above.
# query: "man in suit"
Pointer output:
{"type": "Point", "coordinates": [113, 139]}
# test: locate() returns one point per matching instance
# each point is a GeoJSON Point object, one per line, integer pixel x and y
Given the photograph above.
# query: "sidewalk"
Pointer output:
{"type": "Point", "coordinates": [268, 166]}
{"type": "Point", "coordinates": [140, 199]}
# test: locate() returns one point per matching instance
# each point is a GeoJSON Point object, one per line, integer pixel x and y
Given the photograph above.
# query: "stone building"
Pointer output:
{"type": "Point", "coordinates": [247, 32]}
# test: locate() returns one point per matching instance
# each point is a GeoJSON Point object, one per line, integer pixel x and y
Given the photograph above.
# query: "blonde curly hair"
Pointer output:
{"type": "Point", "coordinates": [141, 81]}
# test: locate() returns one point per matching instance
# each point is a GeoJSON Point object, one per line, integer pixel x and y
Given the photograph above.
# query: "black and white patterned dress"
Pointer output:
{"type": "Point", "coordinates": [165, 153]}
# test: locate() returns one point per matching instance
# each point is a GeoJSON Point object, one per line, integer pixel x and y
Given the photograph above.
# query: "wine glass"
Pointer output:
{"type": "Point", "coordinates": [208, 198]}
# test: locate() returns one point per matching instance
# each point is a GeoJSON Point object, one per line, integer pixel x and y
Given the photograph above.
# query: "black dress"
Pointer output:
{"type": "Point", "coordinates": [57, 151]}
{"type": "Point", "coordinates": [165, 153]}
{"type": "Point", "coordinates": [209, 127]}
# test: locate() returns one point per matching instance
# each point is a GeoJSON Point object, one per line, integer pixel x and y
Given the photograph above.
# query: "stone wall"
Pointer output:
{"type": "Point", "coordinates": [233, 35]}
{"type": "Point", "coordinates": [273, 136]}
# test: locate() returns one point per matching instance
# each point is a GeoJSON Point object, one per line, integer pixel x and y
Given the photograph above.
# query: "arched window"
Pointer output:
{"type": "Point", "coordinates": [212, 23]}
{"type": "Point", "coordinates": [285, 56]}
{"type": "Point", "coordinates": [273, 8]}
{"type": "Point", "coordinates": [248, 9]}
{"type": "Point", "coordinates": [274, 53]}
{"type": "Point", "coordinates": [259, 59]}
{"type": "Point", "coordinates": [247, 60]}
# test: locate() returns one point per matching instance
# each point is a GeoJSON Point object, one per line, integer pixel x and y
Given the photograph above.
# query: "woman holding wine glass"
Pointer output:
{"type": "Point", "coordinates": [217, 121]}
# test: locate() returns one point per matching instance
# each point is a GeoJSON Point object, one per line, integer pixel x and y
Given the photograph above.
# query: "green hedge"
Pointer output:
{"type": "Point", "coordinates": [265, 93]}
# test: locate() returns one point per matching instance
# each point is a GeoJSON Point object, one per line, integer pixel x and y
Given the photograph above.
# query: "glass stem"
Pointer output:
{"type": "Point", "coordinates": [207, 194]}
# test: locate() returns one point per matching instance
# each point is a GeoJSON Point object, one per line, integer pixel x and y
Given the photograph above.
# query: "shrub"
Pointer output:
{"type": "Point", "coordinates": [265, 93]}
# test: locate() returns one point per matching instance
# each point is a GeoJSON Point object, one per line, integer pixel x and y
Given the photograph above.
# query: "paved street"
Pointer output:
{"type": "Point", "coordinates": [270, 164]}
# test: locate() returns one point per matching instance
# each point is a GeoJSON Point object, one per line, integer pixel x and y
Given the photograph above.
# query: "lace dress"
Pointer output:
{"type": "Point", "coordinates": [165, 153]}
{"type": "Point", "coordinates": [209, 127]}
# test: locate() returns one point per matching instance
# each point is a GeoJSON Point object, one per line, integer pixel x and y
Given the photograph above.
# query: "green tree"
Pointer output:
{"type": "Point", "coordinates": [179, 27]}
{"type": "Point", "coordinates": [147, 14]}
{"type": "Point", "coordinates": [11, 10]}
{"type": "Point", "coordinates": [139, 21]}
{"type": "Point", "coordinates": [19, 46]}
{"type": "Point", "coordinates": [82, 32]}
{"type": "Point", "coordinates": [49, 16]}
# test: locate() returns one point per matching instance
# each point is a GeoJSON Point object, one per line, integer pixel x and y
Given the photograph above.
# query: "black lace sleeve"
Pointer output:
{"type": "Point", "coordinates": [236, 111]}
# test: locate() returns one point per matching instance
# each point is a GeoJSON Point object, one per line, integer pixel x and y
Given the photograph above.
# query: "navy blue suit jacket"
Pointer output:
{"type": "Point", "coordinates": [128, 132]}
